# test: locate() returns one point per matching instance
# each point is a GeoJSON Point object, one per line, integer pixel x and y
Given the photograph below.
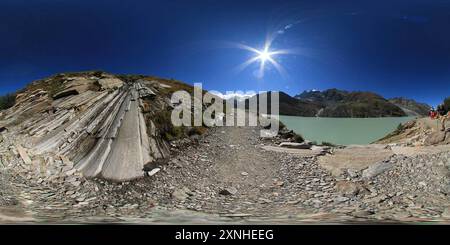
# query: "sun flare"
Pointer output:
{"type": "Point", "coordinates": [264, 56]}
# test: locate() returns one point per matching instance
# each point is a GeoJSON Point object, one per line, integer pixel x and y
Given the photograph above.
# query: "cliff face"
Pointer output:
{"type": "Point", "coordinates": [109, 126]}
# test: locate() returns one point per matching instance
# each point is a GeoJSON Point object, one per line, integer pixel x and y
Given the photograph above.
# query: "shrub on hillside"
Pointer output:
{"type": "Point", "coordinates": [7, 101]}
{"type": "Point", "coordinates": [168, 131]}
{"type": "Point", "coordinates": [325, 143]}
{"type": "Point", "coordinates": [298, 138]}
{"type": "Point", "coordinates": [400, 127]}
{"type": "Point", "coordinates": [196, 131]}
{"type": "Point", "coordinates": [447, 104]}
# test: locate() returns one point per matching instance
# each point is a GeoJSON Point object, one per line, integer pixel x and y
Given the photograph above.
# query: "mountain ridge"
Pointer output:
{"type": "Point", "coordinates": [342, 103]}
{"type": "Point", "coordinates": [332, 97]}
{"type": "Point", "coordinates": [335, 103]}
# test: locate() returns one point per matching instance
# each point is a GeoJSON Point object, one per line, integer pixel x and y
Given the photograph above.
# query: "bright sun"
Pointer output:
{"type": "Point", "coordinates": [264, 55]}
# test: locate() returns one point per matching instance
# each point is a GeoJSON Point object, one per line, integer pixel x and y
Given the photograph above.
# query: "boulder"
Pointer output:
{"type": "Point", "coordinates": [286, 133]}
{"type": "Point", "coordinates": [23, 154]}
{"type": "Point", "coordinates": [144, 91]}
{"type": "Point", "coordinates": [181, 194]}
{"type": "Point", "coordinates": [447, 137]}
{"type": "Point", "coordinates": [348, 188]}
{"type": "Point", "coordinates": [110, 83]}
{"type": "Point", "coordinates": [322, 149]}
{"type": "Point", "coordinates": [69, 164]}
{"type": "Point", "coordinates": [352, 173]}
{"type": "Point", "coordinates": [153, 171]}
{"type": "Point", "coordinates": [296, 145]}
{"type": "Point", "coordinates": [74, 86]}
{"type": "Point", "coordinates": [435, 138]}
{"type": "Point", "coordinates": [341, 199]}
{"type": "Point", "coordinates": [228, 191]}
{"type": "Point", "coordinates": [376, 169]}
{"type": "Point", "coordinates": [446, 213]}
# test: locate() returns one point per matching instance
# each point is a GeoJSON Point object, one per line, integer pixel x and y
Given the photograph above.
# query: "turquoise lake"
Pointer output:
{"type": "Point", "coordinates": [343, 131]}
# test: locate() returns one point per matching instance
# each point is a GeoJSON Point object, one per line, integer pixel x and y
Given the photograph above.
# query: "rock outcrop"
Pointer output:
{"type": "Point", "coordinates": [105, 124]}
{"type": "Point", "coordinates": [418, 132]}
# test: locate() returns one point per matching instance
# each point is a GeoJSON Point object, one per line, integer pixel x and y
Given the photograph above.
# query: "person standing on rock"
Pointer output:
{"type": "Point", "coordinates": [432, 113]}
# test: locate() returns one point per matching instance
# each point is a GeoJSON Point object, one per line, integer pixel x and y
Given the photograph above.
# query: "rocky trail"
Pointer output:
{"type": "Point", "coordinates": [234, 175]}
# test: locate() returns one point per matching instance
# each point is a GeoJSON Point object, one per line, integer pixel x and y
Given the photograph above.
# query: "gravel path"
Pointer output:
{"type": "Point", "coordinates": [229, 173]}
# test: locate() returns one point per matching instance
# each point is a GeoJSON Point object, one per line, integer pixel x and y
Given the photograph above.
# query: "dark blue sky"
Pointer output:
{"type": "Point", "coordinates": [395, 48]}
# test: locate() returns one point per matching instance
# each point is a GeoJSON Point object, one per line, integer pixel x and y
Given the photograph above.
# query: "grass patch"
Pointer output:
{"type": "Point", "coordinates": [325, 143]}
{"type": "Point", "coordinates": [167, 130]}
{"type": "Point", "coordinates": [52, 85]}
{"type": "Point", "coordinates": [55, 84]}
{"type": "Point", "coordinates": [400, 127]}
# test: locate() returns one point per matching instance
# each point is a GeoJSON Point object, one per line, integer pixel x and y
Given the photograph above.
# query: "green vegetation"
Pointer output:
{"type": "Point", "coordinates": [55, 84]}
{"type": "Point", "coordinates": [175, 85]}
{"type": "Point", "coordinates": [447, 104]}
{"type": "Point", "coordinates": [399, 127]}
{"type": "Point", "coordinates": [7, 101]}
{"type": "Point", "coordinates": [162, 117]}
{"type": "Point", "coordinates": [324, 143]}
{"type": "Point", "coordinates": [298, 138]}
{"type": "Point", "coordinates": [197, 130]}
{"type": "Point", "coordinates": [167, 130]}
{"type": "Point", "coordinates": [52, 85]}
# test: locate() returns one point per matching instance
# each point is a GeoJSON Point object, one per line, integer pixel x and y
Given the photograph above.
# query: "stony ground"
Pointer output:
{"type": "Point", "coordinates": [226, 175]}
{"type": "Point", "coordinates": [230, 173]}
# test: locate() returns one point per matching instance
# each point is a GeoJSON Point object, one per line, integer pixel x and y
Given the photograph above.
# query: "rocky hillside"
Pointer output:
{"type": "Point", "coordinates": [411, 107]}
{"type": "Point", "coordinates": [108, 126]}
{"type": "Point", "coordinates": [340, 103]}
{"type": "Point", "coordinates": [418, 132]}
